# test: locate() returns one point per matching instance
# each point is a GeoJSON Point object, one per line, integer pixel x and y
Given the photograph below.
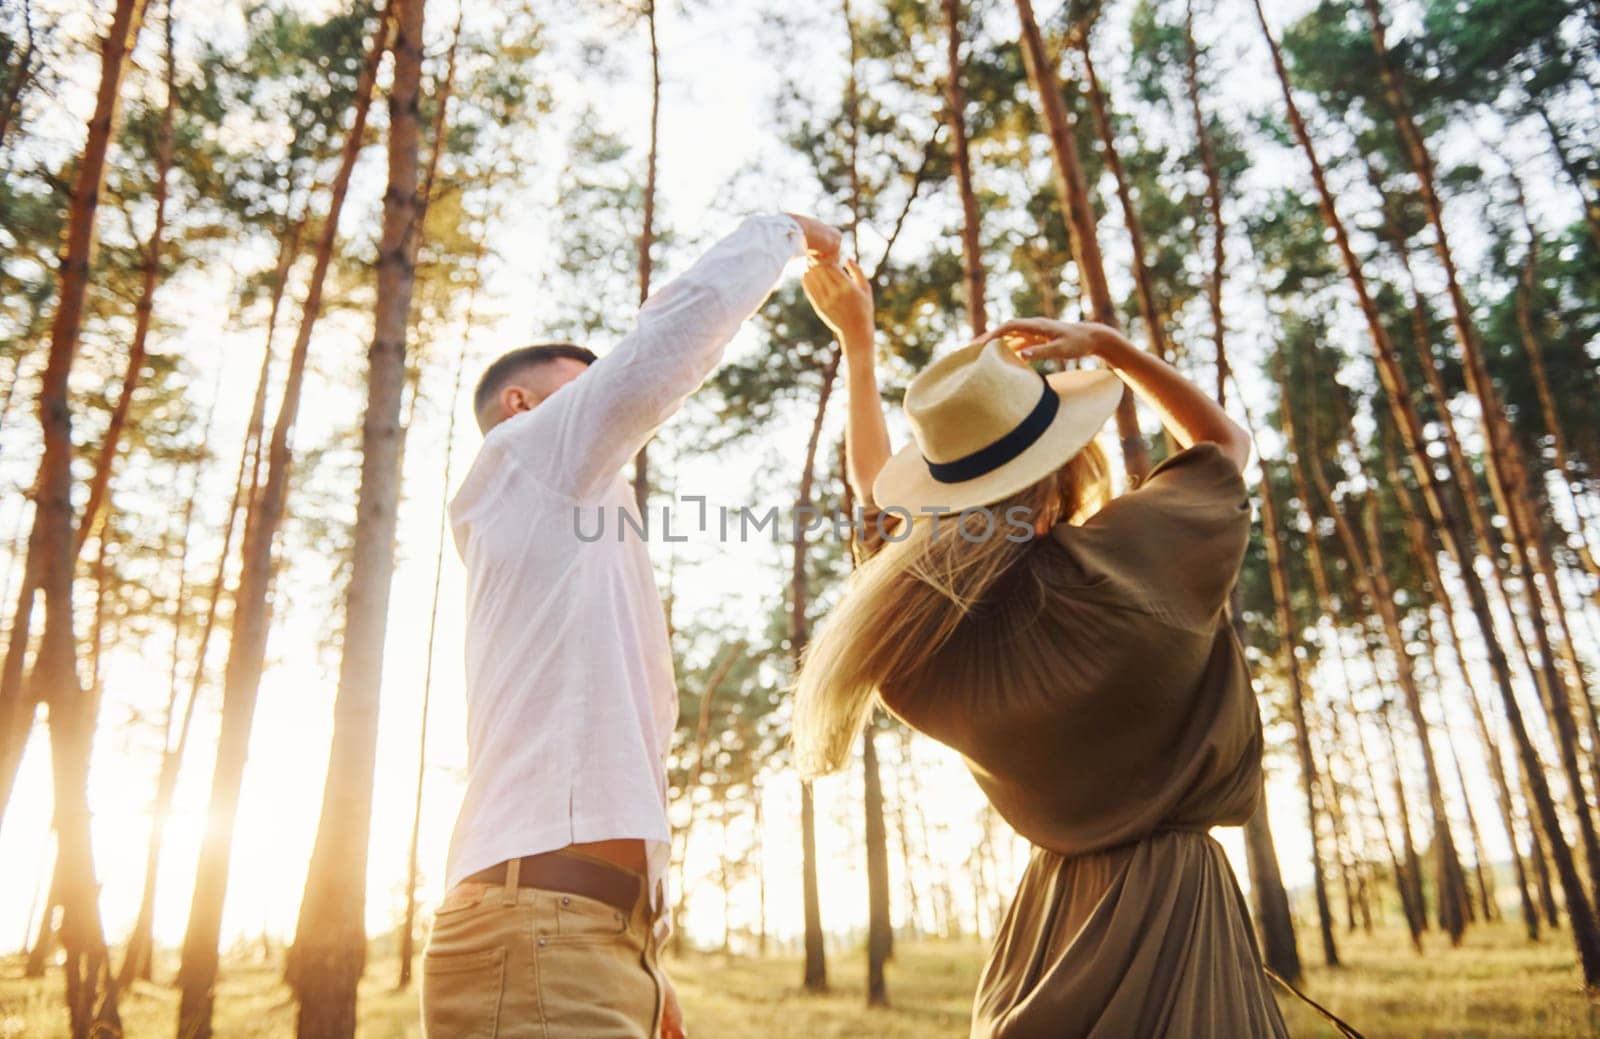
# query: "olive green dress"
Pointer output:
{"type": "Point", "coordinates": [1101, 700]}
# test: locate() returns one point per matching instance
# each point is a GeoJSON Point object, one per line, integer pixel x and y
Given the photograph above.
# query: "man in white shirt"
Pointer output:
{"type": "Point", "coordinates": [555, 909]}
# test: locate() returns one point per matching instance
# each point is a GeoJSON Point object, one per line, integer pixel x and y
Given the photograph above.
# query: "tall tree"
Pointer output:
{"type": "Point", "coordinates": [197, 973]}
{"type": "Point", "coordinates": [91, 988]}
{"type": "Point", "coordinates": [955, 99]}
{"type": "Point", "coordinates": [1287, 641]}
{"type": "Point", "coordinates": [1079, 211]}
{"type": "Point", "coordinates": [330, 947]}
{"type": "Point", "coordinates": [647, 232]}
{"type": "Point", "coordinates": [1586, 934]}
{"type": "Point", "coordinates": [1143, 282]}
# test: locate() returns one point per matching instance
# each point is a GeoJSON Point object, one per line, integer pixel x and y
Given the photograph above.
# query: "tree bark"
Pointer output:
{"type": "Point", "coordinates": [1414, 917]}
{"type": "Point", "coordinates": [1268, 900]}
{"type": "Point", "coordinates": [91, 988]}
{"type": "Point", "coordinates": [879, 927]}
{"type": "Point", "coordinates": [408, 922]}
{"type": "Point", "coordinates": [1585, 932]}
{"type": "Point", "coordinates": [1219, 230]}
{"type": "Point", "coordinates": [815, 978]}
{"type": "Point", "coordinates": [1079, 213]}
{"type": "Point", "coordinates": [252, 613]}
{"type": "Point", "coordinates": [1143, 284]}
{"type": "Point", "coordinates": [647, 234]}
{"type": "Point", "coordinates": [955, 100]}
{"type": "Point", "coordinates": [143, 310]}
{"type": "Point", "coordinates": [1570, 478]}
{"type": "Point", "coordinates": [1290, 662]}
{"type": "Point", "coordinates": [329, 953]}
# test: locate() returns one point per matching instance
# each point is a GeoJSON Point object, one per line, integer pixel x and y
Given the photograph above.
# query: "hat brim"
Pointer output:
{"type": "Point", "coordinates": [1088, 398]}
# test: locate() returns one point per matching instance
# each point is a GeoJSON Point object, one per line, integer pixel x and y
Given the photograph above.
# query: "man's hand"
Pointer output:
{"type": "Point", "coordinates": [672, 1013]}
{"type": "Point", "coordinates": [822, 240]}
{"type": "Point", "coordinates": [842, 298]}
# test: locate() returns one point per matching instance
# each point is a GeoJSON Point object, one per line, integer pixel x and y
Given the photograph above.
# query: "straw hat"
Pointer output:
{"type": "Point", "coordinates": [985, 425]}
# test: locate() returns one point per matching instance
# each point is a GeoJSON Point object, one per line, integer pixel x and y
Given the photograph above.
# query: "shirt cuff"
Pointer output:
{"type": "Point", "coordinates": [791, 227]}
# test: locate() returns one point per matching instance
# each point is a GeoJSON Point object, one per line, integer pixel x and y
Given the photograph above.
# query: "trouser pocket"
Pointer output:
{"type": "Point", "coordinates": [597, 986]}
{"type": "Point", "coordinates": [461, 994]}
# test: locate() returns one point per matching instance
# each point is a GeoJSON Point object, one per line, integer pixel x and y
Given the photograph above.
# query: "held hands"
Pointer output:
{"type": "Point", "coordinates": [842, 298]}
{"type": "Point", "coordinates": [822, 240]}
{"type": "Point", "coordinates": [1041, 339]}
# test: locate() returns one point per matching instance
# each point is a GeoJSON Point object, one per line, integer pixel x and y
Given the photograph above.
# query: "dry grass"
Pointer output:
{"type": "Point", "coordinates": [1496, 985]}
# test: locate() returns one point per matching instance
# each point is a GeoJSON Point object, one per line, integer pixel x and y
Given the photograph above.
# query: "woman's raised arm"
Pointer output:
{"type": "Point", "coordinates": [842, 297]}
{"type": "Point", "coordinates": [1185, 409]}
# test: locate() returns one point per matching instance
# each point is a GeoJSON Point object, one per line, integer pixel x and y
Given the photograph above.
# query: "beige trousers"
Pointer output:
{"type": "Point", "coordinates": [509, 962]}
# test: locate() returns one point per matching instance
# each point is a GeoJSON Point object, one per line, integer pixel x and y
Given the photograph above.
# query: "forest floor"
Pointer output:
{"type": "Point", "coordinates": [1495, 985]}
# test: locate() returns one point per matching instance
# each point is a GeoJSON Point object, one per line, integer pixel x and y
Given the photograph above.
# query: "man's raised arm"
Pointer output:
{"type": "Point", "coordinates": [579, 438]}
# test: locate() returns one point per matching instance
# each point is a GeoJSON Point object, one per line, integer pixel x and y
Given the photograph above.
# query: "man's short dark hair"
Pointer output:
{"type": "Point", "coordinates": [510, 364]}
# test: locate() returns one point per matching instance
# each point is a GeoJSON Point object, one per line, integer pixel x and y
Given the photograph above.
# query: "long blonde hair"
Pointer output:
{"type": "Point", "coordinates": [910, 598]}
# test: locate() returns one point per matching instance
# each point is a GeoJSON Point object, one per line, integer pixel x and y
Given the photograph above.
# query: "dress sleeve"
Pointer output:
{"type": "Point", "coordinates": [1176, 542]}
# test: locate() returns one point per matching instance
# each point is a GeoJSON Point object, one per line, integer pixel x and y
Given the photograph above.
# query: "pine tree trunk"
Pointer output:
{"type": "Point", "coordinates": [136, 961]}
{"type": "Point", "coordinates": [1540, 850]}
{"type": "Point", "coordinates": [1450, 879]}
{"type": "Point", "coordinates": [329, 953]}
{"type": "Point", "coordinates": [1289, 659]}
{"type": "Point", "coordinates": [879, 928]}
{"type": "Point", "coordinates": [1586, 934]}
{"type": "Point", "coordinates": [1079, 213]}
{"type": "Point", "coordinates": [19, 699]}
{"type": "Point", "coordinates": [1370, 572]}
{"type": "Point", "coordinates": [1339, 804]}
{"type": "Point", "coordinates": [136, 956]}
{"type": "Point", "coordinates": [1420, 536]}
{"type": "Point", "coordinates": [1403, 889]}
{"type": "Point", "coordinates": [1208, 162]}
{"type": "Point", "coordinates": [143, 310]}
{"type": "Point", "coordinates": [252, 614]}
{"type": "Point", "coordinates": [908, 871]}
{"type": "Point", "coordinates": [91, 989]}
{"type": "Point", "coordinates": [1143, 285]}
{"type": "Point", "coordinates": [1332, 643]}
{"type": "Point", "coordinates": [1413, 862]}
{"type": "Point", "coordinates": [647, 234]}
{"type": "Point", "coordinates": [1479, 858]}
{"type": "Point", "coordinates": [408, 921]}
{"type": "Point", "coordinates": [815, 978]}
{"type": "Point", "coordinates": [1570, 478]}
{"type": "Point", "coordinates": [955, 100]}
{"type": "Point", "coordinates": [1269, 902]}
{"type": "Point", "coordinates": [1328, 793]}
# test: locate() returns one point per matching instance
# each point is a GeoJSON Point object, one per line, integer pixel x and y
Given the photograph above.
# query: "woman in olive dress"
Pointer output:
{"type": "Point", "coordinates": [1074, 648]}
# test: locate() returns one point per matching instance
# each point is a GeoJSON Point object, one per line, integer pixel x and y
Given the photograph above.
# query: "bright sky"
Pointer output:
{"type": "Point", "coordinates": [718, 90]}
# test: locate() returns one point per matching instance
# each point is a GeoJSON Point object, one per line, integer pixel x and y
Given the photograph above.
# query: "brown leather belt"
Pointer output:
{"type": "Point", "coordinates": [573, 875]}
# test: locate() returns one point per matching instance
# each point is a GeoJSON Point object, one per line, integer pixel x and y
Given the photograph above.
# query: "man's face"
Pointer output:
{"type": "Point", "coordinates": [533, 386]}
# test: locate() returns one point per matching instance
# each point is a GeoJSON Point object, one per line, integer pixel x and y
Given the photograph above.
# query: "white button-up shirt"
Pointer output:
{"type": "Point", "coordinates": [571, 701]}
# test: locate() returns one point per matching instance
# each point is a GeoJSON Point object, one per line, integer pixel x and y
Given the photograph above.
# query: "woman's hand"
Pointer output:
{"type": "Point", "coordinates": [1042, 339]}
{"type": "Point", "coordinates": [1185, 409]}
{"type": "Point", "coordinates": [842, 298]}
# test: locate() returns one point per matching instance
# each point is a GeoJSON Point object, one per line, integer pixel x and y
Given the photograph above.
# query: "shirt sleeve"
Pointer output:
{"type": "Point", "coordinates": [1176, 543]}
{"type": "Point", "coordinates": [583, 435]}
